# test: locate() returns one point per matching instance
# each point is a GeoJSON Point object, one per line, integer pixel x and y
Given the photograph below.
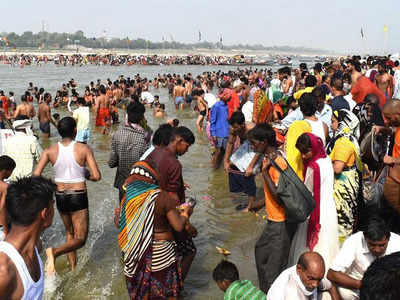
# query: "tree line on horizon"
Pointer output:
{"type": "Point", "coordinates": [55, 40]}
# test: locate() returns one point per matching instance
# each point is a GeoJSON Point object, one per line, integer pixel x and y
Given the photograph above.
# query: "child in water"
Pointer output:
{"type": "Point", "coordinates": [159, 111]}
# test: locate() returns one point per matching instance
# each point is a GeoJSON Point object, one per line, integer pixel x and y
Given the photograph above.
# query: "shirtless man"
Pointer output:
{"type": "Point", "coordinates": [384, 81]}
{"type": "Point", "coordinates": [24, 109]}
{"type": "Point", "coordinates": [188, 90]}
{"type": "Point", "coordinates": [30, 208]}
{"type": "Point", "coordinates": [179, 94]}
{"type": "Point", "coordinates": [355, 69]}
{"type": "Point", "coordinates": [102, 110]}
{"type": "Point", "coordinates": [71, 195]}
{"type": "Point", "coordinates": [44, 115]}
{"type": "Point", "coordinates": [203, 108]}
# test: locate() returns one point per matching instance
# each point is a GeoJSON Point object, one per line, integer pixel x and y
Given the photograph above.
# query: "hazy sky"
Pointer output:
{"type": "Point", "coordinates": [332, 25]}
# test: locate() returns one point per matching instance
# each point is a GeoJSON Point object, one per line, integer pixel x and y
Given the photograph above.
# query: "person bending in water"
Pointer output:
{"type": "Point", "coordinates": [69, 159]}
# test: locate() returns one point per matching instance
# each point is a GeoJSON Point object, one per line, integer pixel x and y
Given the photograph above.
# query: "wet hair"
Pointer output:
{"type": "Point", "coordinates": [396, 63]}
{"type": "Point", "coordinates": [7, 163]}
{"type": "Point", "coordinates": [356, 65]}
{"type": "Point", "coordinates": [376, 229]}
{"type": "Point", "coordinates": [102, 89]}
{"type": "Point", "coordinates": [308, 104]}
{"type": "Point", "coordinates": [66, 127]}
{"type": "Point", "coordinates": [371, 98]}
{"type": "Point", "coordinates": [303, 66]}
{"type": "Point", "coordinates": [225, 270]}
{"type": "Point", "coordinates": [81, 100]}
{"type": "Point", "coordinates": [284, 70]}
{"type": "Point", "coordinates": [135, 111]}
{"type": "Point", "coordinates": [381, 280]}
{"type": "Point", "coordinates": [237, 118]}
{"type": "Point", "coordinates": [263, 132]}
{"type": "Point", "coordinates": [185, 133]}
{"type": "Point", "coordinates": [175, 122]}
{"type": "Point", "coordinates": [26, 197]}
{"type": "Point", "coordinates": [23, 98]}
{"type": "Point", "coordinates": [162, 135]}
{"type": "Point", "coordinates": [338, 84]}
{"type": "Point", "coordinates": [310, 81]}
{"type": "Point", "coordinates": [46, 96]}
{"type": "Point", "coordinates": [303, 143]}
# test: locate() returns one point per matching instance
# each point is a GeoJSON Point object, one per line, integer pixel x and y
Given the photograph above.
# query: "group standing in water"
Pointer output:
{"type": "Point", "coordinates": [259, 124]}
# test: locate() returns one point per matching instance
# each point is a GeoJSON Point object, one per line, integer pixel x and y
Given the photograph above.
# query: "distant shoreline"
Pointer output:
{"type": "Point", "coordinates": [163, 52]}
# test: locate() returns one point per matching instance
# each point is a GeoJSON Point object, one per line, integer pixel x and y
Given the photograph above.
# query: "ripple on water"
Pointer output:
{"type": "Point", "coordinates": [99, 274]}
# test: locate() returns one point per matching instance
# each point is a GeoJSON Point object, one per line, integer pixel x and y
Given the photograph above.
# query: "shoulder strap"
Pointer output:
{"type": "Point", "coordinates": [275, 165]}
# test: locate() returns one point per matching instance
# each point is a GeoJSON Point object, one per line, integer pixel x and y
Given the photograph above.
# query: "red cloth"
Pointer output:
{"type": "Point", "coordinates": [318, 151]}
{"type": "Point", "coordinates": [364, 87]}
{"type": "Point", "coordinates": [4, 101]}
{"type": "Point", "coordinates": [103, 115]}
{"type": "Point", "coordinates": [233, 104]}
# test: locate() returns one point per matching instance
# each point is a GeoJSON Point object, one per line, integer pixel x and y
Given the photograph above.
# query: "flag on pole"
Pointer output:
{"type": "Point", "coordinates": [385, 28]}
{"type": "Point", "coordinates": [362, 33]}
{"type": "Point", "coordinates": [199, 36]}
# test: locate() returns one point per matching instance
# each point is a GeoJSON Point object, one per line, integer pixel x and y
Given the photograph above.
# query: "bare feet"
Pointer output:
{"type": "Point", "coordinates": [50, 263]}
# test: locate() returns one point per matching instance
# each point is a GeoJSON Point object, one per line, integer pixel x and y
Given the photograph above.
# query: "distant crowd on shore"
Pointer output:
{"type": "Point", "coordinates": [117, 60]}
{"type": "Point", "coordinates": [327, 136]}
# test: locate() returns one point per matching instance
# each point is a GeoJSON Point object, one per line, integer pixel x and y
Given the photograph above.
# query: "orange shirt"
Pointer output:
{"type": "Point", "coordinates": [275, 212]}
{"type": "Point", "coordinates": [396, 147]}
{"type": "Point", "coordinates": [363, 87]}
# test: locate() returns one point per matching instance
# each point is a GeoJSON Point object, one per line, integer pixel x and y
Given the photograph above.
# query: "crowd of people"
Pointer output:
{"type": "Point", "coordinates": [328, 136]}
{"type": "Point", "coordinates": [124, 59]}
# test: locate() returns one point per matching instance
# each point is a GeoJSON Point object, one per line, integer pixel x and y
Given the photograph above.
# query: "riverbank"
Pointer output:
{"type": "Point", "coordinates": [162, 52]}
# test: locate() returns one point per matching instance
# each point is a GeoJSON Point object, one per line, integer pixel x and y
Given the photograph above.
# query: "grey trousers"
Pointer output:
{"type": "Point", "coordinates": [272, 252]}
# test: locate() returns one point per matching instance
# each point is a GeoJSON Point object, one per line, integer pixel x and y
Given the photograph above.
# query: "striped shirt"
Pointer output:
{"type": "Point", "coordinates": [243, 290]}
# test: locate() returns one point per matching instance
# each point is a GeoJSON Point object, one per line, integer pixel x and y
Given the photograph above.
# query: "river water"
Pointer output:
{"type": "Point", "coordinates": [99, 274]}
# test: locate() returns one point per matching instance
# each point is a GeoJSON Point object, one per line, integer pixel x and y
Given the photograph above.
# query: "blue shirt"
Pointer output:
{"type": "Point", "coordinates": [325, 116]}
{"type": "Point", "coordinates": [339, 103]}
{"type": "Point", "coordinates": [219, 126]}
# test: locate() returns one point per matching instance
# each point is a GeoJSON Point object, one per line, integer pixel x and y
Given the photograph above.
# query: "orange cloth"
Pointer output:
{"type": "Point", "coordinates": [396, 147]}
{"type": "Point", "coordinates": [103, 115]}
{"type": "Point", "coordinates": [262, 108]}
{"type": "Point", "coordinates": [233, 104]}
{"type": "Point", "coordinates": [4, 101]}
{"type": "Point", "coordinates": [363, 87]}
{"type": "Point", "coordinates": [275, 212]}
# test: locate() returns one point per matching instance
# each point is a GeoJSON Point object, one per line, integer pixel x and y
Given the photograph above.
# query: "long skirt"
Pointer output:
{"type": "Point", "coordinates": [346, 194]}
{"type": "Point", "coordinates": [159, 274]}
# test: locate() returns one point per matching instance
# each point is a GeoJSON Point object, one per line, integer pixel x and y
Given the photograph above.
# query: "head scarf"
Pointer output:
{"type": "Point", "coordinates": [293, 155]}
{"type": "Point", "coordinates": [318, 151]}
{"type": "Point", "coordinates": [349, 128]}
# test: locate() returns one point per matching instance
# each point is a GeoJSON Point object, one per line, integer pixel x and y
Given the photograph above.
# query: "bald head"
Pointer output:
{"type": "Point", "coordinates": [393, 105]}
{"type": "Point", "coordinates": [312, 261]}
